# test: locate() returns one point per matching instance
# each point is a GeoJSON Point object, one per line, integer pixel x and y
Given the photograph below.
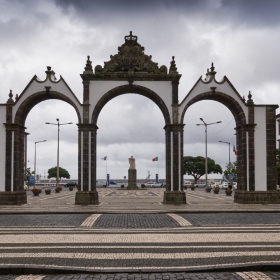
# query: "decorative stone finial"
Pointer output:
{"type": "Point", "coordinates": [50, 73]}
{"type": "Point", "coordinates": [88, 68]}
{"type": "Point", "coordinates": [49, 70]}
{"type": "Point", "coordinates": [131, 39]}
{"type": "Point", "coordinates": [243, 98]}
{"type": "Point", "coordinates": [10, 100]}
{"type": "Point", "coordinates": [207, 74]}
{"type": "Point", "coordinates": [173, 68]}
{"type": "Point", "coordinates": [250, 100]}
{"type": "Point", "coordinates": [250, 95]}
{"type": "Point", "coordinates": [212, 68]}
{"type": "Point", "coordinates": [16, 98]}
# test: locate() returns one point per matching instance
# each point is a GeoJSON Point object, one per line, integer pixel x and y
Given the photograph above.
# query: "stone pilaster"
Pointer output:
{"type": "Point", "coordinates": [241, 144]}
{"type": "Point", "coordinates": [251, 141]}
{"type": "Point", "coordinates": [174, 173]}
{"type": "Point", "coordinates": [270, 147]}
{"type": "Point", "coordinates": [15, 173]}
{"type": "Point", "coordinates": [87, 193]}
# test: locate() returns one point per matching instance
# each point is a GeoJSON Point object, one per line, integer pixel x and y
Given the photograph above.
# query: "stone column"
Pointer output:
{"type": "Point", "coordinates": [87, 193]}
{"type": "Point", "coordinates": [246, 192]}
{"type": "Point", "coordinates": [174, 193]}
{"type": "Point", "coordinates": [14, 175]}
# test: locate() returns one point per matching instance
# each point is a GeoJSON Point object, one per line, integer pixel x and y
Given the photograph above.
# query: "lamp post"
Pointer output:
{"type": "Point", "coordinates": [206, 167]}
{"type": "Point", "coordinates": [57, 165]}
{"type": "Point", "coordinates": [228, 152]}
{"type": "Point", "coordinates": [35, 162]}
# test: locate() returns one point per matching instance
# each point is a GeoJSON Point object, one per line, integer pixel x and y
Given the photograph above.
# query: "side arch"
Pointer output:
{"type": "Point", "coordinates": [38, 97]}
{"type": "Point", "coordinates": [130, 89]}
{"type": "Point", "coordinates": [243, 177]}
{"type": "Point", "coordinates": [18, 135]}
{"type": "Point", "coordinates": [228, 101]}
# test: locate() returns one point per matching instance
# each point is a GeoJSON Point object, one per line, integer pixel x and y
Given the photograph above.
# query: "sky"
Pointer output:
{"type": "Point", "coordinates": [241, 38]}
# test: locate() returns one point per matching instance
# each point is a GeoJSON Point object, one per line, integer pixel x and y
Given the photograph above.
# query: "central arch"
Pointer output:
{"type": "Point", "coordinates": [125, 89]}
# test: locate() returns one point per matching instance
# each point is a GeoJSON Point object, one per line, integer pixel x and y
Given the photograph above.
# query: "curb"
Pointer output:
{"type": "Point", "coordinates": [24, 270]}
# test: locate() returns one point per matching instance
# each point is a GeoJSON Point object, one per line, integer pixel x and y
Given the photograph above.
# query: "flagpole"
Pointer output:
{"type": "Point", "coordinates": [158, 167]}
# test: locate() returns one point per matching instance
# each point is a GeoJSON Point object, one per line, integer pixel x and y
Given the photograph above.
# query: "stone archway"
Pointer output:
{"type": "Point", "coordinates": [131, 70]}
{"type": "Point", "coordinates": [16, 113]}
{"type": "Point", "coordinates": [255, 137]}
{"type": "Point", "coordinates": [240, 120]}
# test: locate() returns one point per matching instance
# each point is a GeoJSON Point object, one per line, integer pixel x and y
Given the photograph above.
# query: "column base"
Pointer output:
{"type": "Point", "coordinates": [257, 197]}
{"type": "Point", "coordinates": [132, 182]}
{"type": "Point", "coordinates": [86, 198]}
{"type": "Point", "coordinates": [132, 187]}
{"type": "Point", "coordinates": [174, 197]}
{"type": "Point", "coordinates": [13, 198]}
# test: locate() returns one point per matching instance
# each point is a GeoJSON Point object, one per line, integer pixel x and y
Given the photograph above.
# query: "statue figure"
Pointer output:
{"type": "Point", "coordinates": [131, 162]}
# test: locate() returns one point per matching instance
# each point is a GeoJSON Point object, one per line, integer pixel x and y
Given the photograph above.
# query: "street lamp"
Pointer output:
{"type": "Point", "coordinates": [206, 167]}
{"type": "Point", "coordinates": [57, 165]}
{"type": "Point", "coordinates": [35, 162]}
{"type": "Point", "coordinates": [229, 165]}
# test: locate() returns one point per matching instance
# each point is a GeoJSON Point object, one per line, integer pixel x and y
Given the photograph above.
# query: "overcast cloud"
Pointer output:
{"type": "Point", "coordinates": [240, 37]}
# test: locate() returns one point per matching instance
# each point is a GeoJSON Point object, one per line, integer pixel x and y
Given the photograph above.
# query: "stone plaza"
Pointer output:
{"type": "Point", "coordinates": [131, 234]}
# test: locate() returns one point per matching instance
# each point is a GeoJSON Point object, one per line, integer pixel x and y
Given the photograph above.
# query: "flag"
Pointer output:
{"type": "Point", "coordinates": [234, 150]}
{"type": "Point", "coordinates": [104, 158]}
{"type": "Point", "coordinates": [155, 159]}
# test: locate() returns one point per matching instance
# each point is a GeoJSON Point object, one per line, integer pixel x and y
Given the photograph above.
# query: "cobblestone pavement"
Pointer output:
{"type": "Point", "coordinates": [113, 200]}
{"type": "Point", "coordinates": [140, 250]}
{"type": "Point", "coordinates": [164, 276]}
{"type": "Point", "coordinates": [131, 235]}
{"type": "Point", "coordinates": [139, 221]}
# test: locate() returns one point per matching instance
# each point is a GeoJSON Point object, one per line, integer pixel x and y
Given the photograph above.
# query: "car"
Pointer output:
{"type": "Point", "coordinates": [157, 185]}
{"type": "Point", "coordinates": [111, 184]}
{"type": "Point", "coordinates": [149, 184]}
{"type": "Point", "coordinates": [187, 183]}
{"type": "Point", "coordinates": [199, 185]}
{"type": "Point", "coordinates": [74, 184]}
{"type": "Point", "coordinates": [223, 185]}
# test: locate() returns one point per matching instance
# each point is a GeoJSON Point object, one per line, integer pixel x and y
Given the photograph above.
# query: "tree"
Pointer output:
{"type": "Point", "coordinates": [28, 172]}
{"type": "Point", "coordinates": [63, 173]}
{"type": "Point", "coordinates": [231, 169]}
{"type": "Point", "coordinates": [195, 166]}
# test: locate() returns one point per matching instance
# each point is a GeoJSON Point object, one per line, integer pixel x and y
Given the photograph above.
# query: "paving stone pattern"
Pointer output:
{"type": "Point", "coordinates": [140, 221]}
{"type": "Point", "coordinates": [217, 219]}
{"type": "Point", "coordinates": [135, 221]}
{"type": "Point", "coordinates": [41, 220]}
{"type": "Point", "coordinates": [256, 275]}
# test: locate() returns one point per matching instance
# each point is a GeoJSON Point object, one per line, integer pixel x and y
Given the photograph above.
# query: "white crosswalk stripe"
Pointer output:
{"type": "Point", "coordinates": [90, 220]}
{"type": "Point", "coordinates": [181, 221]}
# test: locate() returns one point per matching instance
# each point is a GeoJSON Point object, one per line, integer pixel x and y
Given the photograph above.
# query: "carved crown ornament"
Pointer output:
{"type": "Point", "coordinates": [130, 61]}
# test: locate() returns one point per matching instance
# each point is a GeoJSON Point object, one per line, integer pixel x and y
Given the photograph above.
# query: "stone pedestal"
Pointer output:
{"type": "Point", "coordinates": [257, 197]}
{"type": "Point", "coordinates": [13, 198]}
{"type": "Point", "coordinates": [132, 184]}
{"type": "Point", "coordinates": [174, 197]}
{"type": "Point", "coordinates": [86, 198]}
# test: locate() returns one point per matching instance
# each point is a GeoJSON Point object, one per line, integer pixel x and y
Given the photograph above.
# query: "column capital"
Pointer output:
{"type": "Point", "coordinates": [245, 127]}
{"type": "Point", "coordinates": [174, 127]}
{"type": "Point", "coordinates": [87, 127]}
{"type": "Point", "coordinates": [14, 127]}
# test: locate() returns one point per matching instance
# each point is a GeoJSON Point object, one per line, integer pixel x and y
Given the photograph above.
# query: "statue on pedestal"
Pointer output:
{"type": "Point", "coordinates": [131, 161]}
